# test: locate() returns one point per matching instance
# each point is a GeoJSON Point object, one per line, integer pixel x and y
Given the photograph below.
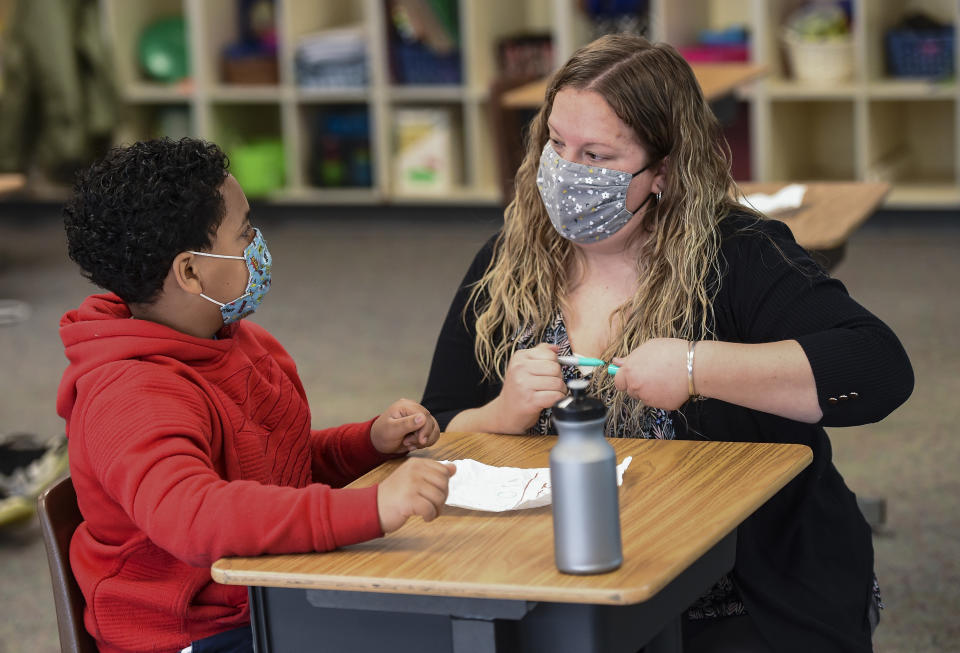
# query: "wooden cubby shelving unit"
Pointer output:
{"type": "Point", "coordinates": [874, 127]}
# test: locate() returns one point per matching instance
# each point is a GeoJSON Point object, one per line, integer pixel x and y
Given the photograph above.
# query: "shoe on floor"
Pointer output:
{"type": "Point", "coordinates": [28, 465]}
{"type": "Point", "coordinates": [13, 311]}
{"type": "Point", "coordinates": [15, 510]}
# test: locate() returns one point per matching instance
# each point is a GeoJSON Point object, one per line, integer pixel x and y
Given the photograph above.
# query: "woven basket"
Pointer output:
{"type": "Point", "coordinates": [823, 61]}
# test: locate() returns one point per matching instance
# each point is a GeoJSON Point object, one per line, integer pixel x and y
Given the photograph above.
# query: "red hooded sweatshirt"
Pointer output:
{"type": "Point", "coordinates": [184, 450]}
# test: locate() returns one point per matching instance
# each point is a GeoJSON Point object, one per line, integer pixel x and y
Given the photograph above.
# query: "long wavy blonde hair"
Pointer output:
{"type": "Point", "coordinates": [653, 90]}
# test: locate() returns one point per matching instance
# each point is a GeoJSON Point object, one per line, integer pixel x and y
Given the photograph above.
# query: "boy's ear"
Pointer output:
{"type": "Point", "coordinates": [185, 273]}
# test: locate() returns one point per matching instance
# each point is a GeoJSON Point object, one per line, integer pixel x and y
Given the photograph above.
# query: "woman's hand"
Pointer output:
{"type": "Point", "coordinates": [655, 373]}
{"type": "Point", "coordinates": [773, 377]}
{"type": "Point", "coordinates": [533, 382]}
{"type": "Point", "coordinates": [403, 427]}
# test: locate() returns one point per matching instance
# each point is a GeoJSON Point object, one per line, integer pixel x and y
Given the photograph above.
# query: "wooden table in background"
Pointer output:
{"type": "Point", "coordinates": [475, 581]}
{"type": "Point", "coordinates": [716, 80]}
{"type": "Point", "coordinates": [830, 212]}
{"type": "Point", "coordinates": [11, 182]}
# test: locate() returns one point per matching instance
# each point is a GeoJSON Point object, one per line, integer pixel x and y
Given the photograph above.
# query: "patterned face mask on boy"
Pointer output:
{"type": "Point", "coordinates": [585, 203]}
{"type": "Point", "coordinates": [258, 260]}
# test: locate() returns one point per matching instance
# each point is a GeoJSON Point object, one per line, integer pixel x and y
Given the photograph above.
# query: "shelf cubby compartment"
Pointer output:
{"type": "Point", "coordinates": [437, 62]}
{"type": "Point", "coordinates": [426, 150]}
{"type": "Point", "coordinates": [250, 134]}
{"type": "Point", "coordinates": [680, 23]}
{"type": "Point", "coordinates": [812, 141]}
{"type": "Point", "coordinates": [481, 169]}
{"type": "Point", "coordinates": [253, 69]}
{"type": "Point", "coordinates": [879, 18]}
{"type": "Point", "coordinates": [783, 81]}
{"type": "Point", "coordinates": [486, 25]}
{"type": "Point", "coordinates": [126, 22]}
{"type": "Point", "coordinates": [336, 148]}
{"type": "Point", "coordinates": [910, 143]}
{"type": "Point", "coordinates": [140, 122]}
{"type": "Point", "coordinates": [337, 28]}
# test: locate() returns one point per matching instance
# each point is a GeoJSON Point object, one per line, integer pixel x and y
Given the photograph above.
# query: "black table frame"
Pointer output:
{"type": "Point", "coordinates": [297, 620]}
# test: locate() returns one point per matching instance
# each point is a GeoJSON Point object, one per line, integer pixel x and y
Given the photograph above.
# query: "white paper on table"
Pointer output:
{"type": "Point", "coordinates": [788, 197]}
{"type": "Point", "coordinates": [477, 486]}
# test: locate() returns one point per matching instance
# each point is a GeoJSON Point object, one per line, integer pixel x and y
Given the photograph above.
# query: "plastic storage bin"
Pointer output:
{"type": "Point", "coordinates": [915, 53]}
{"type": "Point", "coordinates": [258, 166]}
{"type": "Point", "coordinates": [415, 63]}
{"type": "Point", "coordinates": [333, 57]}
{"type": "Point", "coordinates": [332, 73]}
{"type": "Point", "coordinates": [340, 154]}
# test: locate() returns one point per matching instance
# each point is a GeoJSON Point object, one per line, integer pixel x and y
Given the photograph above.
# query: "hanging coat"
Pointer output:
{"type": "Point", "coordinates": [58, 105]}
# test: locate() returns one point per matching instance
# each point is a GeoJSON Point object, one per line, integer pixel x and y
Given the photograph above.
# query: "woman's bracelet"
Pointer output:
{"type": "Point", "coordinates": [691, 348]}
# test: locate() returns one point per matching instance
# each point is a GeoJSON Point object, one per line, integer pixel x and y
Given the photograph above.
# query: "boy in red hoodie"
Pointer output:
{"type": "Point", "coordinates": [189, 430]}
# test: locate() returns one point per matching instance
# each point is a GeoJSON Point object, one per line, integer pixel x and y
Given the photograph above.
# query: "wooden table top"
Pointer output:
{"type": "Point", "coordinates": [716, 80]}
{"type": "Point", "coordinates": [678, 499]}
{"type": "Point", "coordinates": [830, 211]}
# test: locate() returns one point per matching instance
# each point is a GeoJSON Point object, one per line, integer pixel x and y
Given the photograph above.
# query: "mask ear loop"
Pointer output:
{"type": "Point", "coordinates": [658, 194]}
{"type": "Point", "coordinates": [239, 258]}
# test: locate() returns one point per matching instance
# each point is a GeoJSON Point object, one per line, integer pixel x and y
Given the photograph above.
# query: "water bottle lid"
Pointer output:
{"type": "Point", "coordinates": [578, 406]}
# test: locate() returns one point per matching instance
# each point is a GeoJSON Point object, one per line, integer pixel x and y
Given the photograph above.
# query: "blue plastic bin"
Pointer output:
{"type": "Point", "coordinates": [915, 53]}
{"type": "Point", "coordinates": [414, 63]}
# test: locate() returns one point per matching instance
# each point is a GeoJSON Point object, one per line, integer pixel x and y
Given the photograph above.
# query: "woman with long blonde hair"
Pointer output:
{"type": "Point", "coordinates": [624, 242]}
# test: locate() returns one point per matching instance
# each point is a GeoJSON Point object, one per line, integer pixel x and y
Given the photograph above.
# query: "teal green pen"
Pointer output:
{"type": "Point", "coordinates": [612, 369]}
{"type": "Point", "coordinates": [582, 361]}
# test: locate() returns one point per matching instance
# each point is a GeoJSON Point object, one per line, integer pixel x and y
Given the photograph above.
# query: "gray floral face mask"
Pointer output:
{"type": "Point", "coordinates": [585, 203]}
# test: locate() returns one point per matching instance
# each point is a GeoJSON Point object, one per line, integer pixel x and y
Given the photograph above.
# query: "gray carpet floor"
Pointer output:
{"type": "Point", "coordinates": [359, 296]}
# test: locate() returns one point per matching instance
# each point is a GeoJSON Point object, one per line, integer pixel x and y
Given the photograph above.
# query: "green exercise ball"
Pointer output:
{"type": "Point", "coordinates": [163, 50]}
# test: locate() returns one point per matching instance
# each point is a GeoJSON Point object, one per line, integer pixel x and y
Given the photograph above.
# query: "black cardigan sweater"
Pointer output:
{"type": "Point", "coordinates": [804, 565]}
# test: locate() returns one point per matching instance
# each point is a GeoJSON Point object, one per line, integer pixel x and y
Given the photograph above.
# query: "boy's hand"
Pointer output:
{"type": "Point", "coordinates": [418, 487]}
{"type": "Point", "coordinates": [403, 427]}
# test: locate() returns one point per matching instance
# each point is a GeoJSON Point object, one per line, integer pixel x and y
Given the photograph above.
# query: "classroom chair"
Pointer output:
{"type": "Point", "coordinates": [59, 517]}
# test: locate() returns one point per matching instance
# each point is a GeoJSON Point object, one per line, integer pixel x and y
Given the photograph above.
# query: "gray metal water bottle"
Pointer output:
{"type": "Point", "coordinates": [583, 479]}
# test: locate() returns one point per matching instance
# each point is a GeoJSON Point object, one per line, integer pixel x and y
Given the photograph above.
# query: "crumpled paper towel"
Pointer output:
{"type": "Point", "coordinates": [788, 197]}
{"type": "Point", "coordinates": [477, 486]}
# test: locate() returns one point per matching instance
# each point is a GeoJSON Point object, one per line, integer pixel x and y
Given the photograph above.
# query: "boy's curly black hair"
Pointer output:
{"type": "Point", "coordinates": [134, 210]}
